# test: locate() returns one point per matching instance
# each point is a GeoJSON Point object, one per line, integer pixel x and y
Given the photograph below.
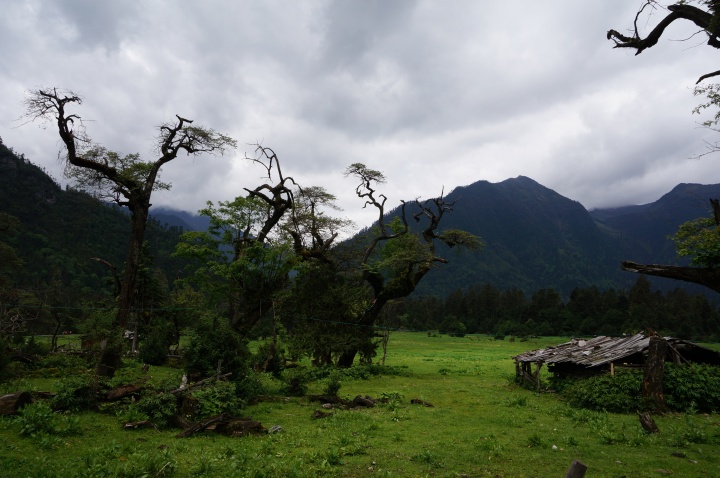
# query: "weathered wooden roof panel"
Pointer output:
{"type": "Point", "coordinates": [592, 352]}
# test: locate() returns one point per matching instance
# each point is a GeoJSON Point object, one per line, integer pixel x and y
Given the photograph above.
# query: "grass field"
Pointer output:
{"type": "Point", "coordinates": [481, 425]}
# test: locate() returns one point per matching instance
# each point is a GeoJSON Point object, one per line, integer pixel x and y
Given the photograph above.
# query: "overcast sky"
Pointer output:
{"type": "Point", "coordinates": [432, 93]}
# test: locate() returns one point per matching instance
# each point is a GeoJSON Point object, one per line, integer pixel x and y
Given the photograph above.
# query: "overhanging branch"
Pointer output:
{"type": "Point", "coordinates": [704, 276]}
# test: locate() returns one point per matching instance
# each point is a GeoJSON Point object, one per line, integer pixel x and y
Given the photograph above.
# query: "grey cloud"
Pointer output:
{"type": "Point", "coordinates": [432, 93]}
{"type": "Point", "coordinates": [92, 23]}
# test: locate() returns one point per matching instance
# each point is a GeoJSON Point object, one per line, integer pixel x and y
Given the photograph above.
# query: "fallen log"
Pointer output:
{"type": "Point", "coordinates": [140, 424]}
{"type": "Point", "coordinates": [239, 427]}
{"type": "Point", "coordinates": [22, 357]}
{"type": "Point", "coordinates": [122, 392]}
{"type": "Point", "coordinates": [335, 400]}
{"type": "Point", "coordinates": [202, 425]}
{"type": "Point", "coordinates": [225, 424]}
{"type": "Point", "coordinates": [11, 403]}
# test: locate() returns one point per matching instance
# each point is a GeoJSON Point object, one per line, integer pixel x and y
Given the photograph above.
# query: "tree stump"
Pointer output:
{"type": "Point", "coordinates": [576, 470]}
{"type": "Point", "coordinates": [648, 423]}
{"type": "Point", "coordinates": [12, 402]}
{"type": "Point", "coordinates": [652, 386]}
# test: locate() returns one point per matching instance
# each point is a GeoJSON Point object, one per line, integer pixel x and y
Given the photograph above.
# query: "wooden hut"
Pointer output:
{"type": "Point", "coordinates": [586, 357]}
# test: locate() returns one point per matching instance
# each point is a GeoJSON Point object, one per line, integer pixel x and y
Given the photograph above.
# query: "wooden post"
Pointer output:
{"type": "Point", "coordinates": [652, 386]}
{"type": "Point", "coordinates": [612, 369]}
{"type": "Point", "coordinates": [577, 470]}
{"type": "Point", "coordinates": [538, 365]}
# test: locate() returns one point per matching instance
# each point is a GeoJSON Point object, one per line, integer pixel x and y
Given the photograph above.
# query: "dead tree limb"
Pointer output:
{"type": "Point", "coordinates": [705, 276]}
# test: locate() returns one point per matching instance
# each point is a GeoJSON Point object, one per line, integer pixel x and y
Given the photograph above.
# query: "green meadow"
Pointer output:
{"type": "Point", "coordinates": [481, 424]}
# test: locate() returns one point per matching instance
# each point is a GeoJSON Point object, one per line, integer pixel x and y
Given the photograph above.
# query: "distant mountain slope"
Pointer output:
{"type": "Point", "coordinates": [535, 238]}
{"type": "Point", "coordinates": [182, 219]}
{"type": "Point", "coordinates": [643, 230]}
{"type": "Point", "coordinates": [60, 230]}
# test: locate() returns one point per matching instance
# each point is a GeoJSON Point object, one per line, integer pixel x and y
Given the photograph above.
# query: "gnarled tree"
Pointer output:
{"type": "Point", "coordinates": [396, 258]}
{"type": "Point", "coordinates": [128, 180]}
{"type": "Point", "coordinates": [706, 18]}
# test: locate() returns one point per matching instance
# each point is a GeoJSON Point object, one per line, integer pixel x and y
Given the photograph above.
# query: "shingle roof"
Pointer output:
{"type": "Point", "coordinates": [591, 352]}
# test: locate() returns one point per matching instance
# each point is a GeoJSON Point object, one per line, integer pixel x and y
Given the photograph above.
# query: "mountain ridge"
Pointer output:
{"type": "Point", "coordinates": [535, 237]}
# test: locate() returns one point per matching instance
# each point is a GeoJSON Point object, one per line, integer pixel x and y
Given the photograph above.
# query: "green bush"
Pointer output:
{"type": "Point", "coordinates": [33, 347]}
{"type": "Point", "coordinates": [75, 393]}
{"type": "Point", "coordinates": [692, 386]}
{"type": "Point", "coordinates": [211, 343]}
{"type": "Point", "coordinates": [333, 383]}
{"type": "Point", "coordinates": [219, 398]}
{"type": "Point", "coordinates": [249, 386]}
{"type": "Point", "coordinates": [39, 419]}
{"type": "Point", "coordinates": [686, 387]}
{"type": "Point", "coordinates": [153, 350]}
{"type": "Point", "coordinates": [621, 393]}
{"type": "Point", "coordinates": [4, 359]}
{"type": "Point", "coordinates": [160, 408]}
{"type": "Point", "coordinates": [62, 361]}
{"type": "Point", "coordinates": [296, 382]}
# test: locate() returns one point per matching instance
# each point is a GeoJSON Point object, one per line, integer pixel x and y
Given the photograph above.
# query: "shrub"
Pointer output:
{"type": "Point", "coordinates": [62, 361]}
{"type": "Point", "coordinates": [249, 387]}
{"type": "Point", "coordinates": [686, 387]}
{"type": "Point", "coordinates": [272, 357]}
{"type": "Point", "coordinates": [4, 358]}
{"type": "Point", "coordinates": [75, 393]}
{"type": "Point", "coordinates": [38, 419]}
{"type": "Point", "coordinates": [218, 398]}
{"type": "Point", "coordinates": [692, 386]}
{"type": "Point", "coordinates": [621, 393]}
{"type": "Point", "coordinates": [153, 349]}
{"type": "Point", "coordinates": [333, 383]}
{"type": "Point", "coordinates": [296, 382]}
{"type": "Point", "coordinates": [160, 408]}
{"type": "Point", "coordinates": [216, 342]}
{"type": "Point", "coordinates": [33, 347]}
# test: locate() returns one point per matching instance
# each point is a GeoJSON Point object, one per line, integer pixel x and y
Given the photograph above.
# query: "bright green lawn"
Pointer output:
{"type": "Point", "coordinates": [481, 425]}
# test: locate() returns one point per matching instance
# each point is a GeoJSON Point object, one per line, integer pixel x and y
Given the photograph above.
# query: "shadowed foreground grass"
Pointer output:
{"type": "Point", "coordinates": [481, 424]}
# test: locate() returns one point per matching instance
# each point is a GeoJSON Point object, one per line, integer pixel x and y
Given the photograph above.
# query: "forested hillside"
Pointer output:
{"type": "Point", "coordinates": [62, 233]}
{"type": "Point", "coordinates": [537, 239]}
{"type": "Point", "coordinates": [536, 242]}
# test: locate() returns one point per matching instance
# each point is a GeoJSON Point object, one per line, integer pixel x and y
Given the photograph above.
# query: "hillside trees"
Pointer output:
{"type": "Point", "coordinates": [587, 311]}
{"type": "Point", "coordinates": [10, 322]}
{"type": "Point", "coordinates": [697, 238]}
{"type": "Point", "coordinates": [127, 180]}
